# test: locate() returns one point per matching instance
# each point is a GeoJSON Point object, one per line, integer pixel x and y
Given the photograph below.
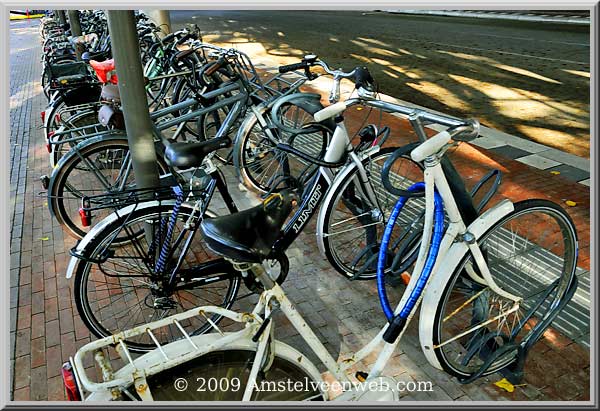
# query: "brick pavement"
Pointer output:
{"type": "Point", "coordinates": [46, 330]}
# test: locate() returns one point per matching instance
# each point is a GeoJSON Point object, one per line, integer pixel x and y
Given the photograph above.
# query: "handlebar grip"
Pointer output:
{"type": "Point", "coordinates": [292, 67]}
{"type": "Point", "coordinates": [431, 146]}
{"type": "Point", "coordinates": [185, 37]}
{"type": "Point", "coordinates": [215, 66]}
{"type": "Point", "coordinates": [145, 31]}
{"type": "Point", "coordinates": [330, 111]}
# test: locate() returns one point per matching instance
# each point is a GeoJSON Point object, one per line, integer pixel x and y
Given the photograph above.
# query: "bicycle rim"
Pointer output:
{"type": "Point", "coordinates": [122, 292]}
{"type": "Point", "coordinates": [532, 254]}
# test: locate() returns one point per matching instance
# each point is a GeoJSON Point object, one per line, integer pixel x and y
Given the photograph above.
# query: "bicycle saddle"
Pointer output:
{"type": "Point", "coordinates": [186, 155]}
{"type": "Point", "coordinates": [248, 236]}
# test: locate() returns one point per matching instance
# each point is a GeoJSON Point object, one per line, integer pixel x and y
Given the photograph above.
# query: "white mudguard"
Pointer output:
{"type": "Point", "coordinates": [433, 293]}
{"type": "Point", "coordinates": [329, 194]}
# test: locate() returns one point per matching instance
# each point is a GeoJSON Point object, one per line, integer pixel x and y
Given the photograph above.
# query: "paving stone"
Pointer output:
{"type": "Point", "coordinates": [537, 161]}
{"type": "Point", "coordinates": [509, 152]}
{"type": "Point", "coordinates": [570, 172]}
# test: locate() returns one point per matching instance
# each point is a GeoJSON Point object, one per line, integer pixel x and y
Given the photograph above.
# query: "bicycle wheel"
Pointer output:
{"type": "Point", "coordinates": [260, 165]}
{"type": "Point", "coordinates": [353, 224]}
{"type": "Point", "coordinates": [97, 166]}
{"type": "Point", "coordinates": [85, 119]}
{"type": "Point", "coordinates": [532, 254]}
{"type": "Point", "coordinates": [223, 376]}
{"type": "Point", "coordinates": [120, 290]}
{"type": "Point", "coordinates": [51, 124]}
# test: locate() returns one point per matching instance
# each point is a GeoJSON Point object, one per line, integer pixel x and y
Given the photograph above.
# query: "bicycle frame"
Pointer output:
{"type": "Point", "coordinates": [325, 182]}
{"type": "Point", "coordinates": [456, 242]}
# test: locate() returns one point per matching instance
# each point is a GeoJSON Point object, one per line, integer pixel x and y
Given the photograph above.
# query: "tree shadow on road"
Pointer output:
{"type": "Point", "coordinates": [544, 98]}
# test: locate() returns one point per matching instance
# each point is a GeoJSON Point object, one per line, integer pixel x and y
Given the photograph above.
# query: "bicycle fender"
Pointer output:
{"type": "Point", "coordinates": [456, 253]}
{"type": "Point", "coordinates": [99, 228]}
{"type": "Point", "coordinates": [311, 102]}
{"type": "Point", "coordinates": [50, 110]}
{"type": "Point", "coordinates": [340, 177]}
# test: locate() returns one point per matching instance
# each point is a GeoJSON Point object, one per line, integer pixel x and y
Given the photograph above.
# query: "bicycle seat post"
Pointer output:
{"type": "Point", "coordinates": [257, 270]}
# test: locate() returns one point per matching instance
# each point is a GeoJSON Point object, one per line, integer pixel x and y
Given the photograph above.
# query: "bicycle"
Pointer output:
{"type": "Point", "coordinates": [446, 256]}
{"type": "Point", "coordinates": [91, 158]}
{"type": "Point", "coordinates": [355, 189]}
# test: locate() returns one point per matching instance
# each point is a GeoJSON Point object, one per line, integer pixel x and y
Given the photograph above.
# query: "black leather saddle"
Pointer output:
{"type": "Point", "coordinates": [248, 236]}
{"type": "Point", "coordinates": [186, 155]}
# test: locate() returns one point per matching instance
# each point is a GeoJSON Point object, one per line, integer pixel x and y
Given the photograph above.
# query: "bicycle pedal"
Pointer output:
{"type": "Point", "coordinates": [361, 376]}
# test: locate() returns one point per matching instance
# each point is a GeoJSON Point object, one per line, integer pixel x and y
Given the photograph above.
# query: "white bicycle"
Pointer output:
{"type": "Point", "coordinates": [473, 320]}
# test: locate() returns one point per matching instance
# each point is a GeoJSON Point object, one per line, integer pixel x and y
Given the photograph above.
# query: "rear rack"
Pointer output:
{"type": "Point", "coordinates": [133, 196]}
{"type": "Point", "coordinates": [164, 357]}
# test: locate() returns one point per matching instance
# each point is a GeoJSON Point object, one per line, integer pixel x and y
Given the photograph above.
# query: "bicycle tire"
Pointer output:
{"type": "Point", "coordinates": [87, 270]}
{"type": "Point", "coordinates": [64, 198]}
{"type": "Point", "coordinates": [365, 267]}
{"type": "Point", "coordinates": [543, 264]}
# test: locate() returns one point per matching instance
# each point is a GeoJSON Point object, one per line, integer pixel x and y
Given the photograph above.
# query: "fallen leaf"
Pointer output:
{"type": "Point", "coordinates": [555, 172]}
{"type": "Point", "coordinates": [358, 108]}
{"type": "Point", "coordinates": [44, 238]}
{"type": "Point", "coordinates": [505, 385]}
{"type": "Point", "coordinates": [570, 203]}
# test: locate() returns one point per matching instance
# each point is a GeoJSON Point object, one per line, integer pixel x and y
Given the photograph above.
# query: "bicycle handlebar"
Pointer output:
{"type": "Point", "coordinates": [361, 76]}
{"type": "Point", "coordinates": [292, 67]}
{"type": "Point", "coordinates": [467, 131]}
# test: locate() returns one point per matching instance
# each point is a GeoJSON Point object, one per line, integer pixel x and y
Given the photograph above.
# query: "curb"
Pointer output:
{"type": "Point", "coordinates": [533, 154]}
{"type": "Point", "coordinates": [499, 15]}
{"type": "Point", "coordinates": [14, 17]}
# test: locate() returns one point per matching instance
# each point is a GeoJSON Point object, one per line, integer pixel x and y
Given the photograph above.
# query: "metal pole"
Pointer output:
{"type": "Point", "coordinates": [126, 52]}
{"type": "Point", "coordinates": [75, 23]}
{"type": "Point", "coordinates": [62, 19]}
{"type": "Point", "coordinates": [162, 19]}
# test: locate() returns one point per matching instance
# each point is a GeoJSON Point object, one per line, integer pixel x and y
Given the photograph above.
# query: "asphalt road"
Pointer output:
{"type": "Point", "coordinates": [526, 79]}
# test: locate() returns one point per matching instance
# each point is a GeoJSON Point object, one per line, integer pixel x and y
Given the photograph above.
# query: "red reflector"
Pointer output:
{"type": "Point", "coordinates": [85, 218]}
{"type": "Point", "coordinates": [57, 118]}
{"type": "Point", "coordinates": [49, 147]}
{"type": "Point", "coordinates": [70, 382]}
{"type": "Point", "coordinates": [43, 115]}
